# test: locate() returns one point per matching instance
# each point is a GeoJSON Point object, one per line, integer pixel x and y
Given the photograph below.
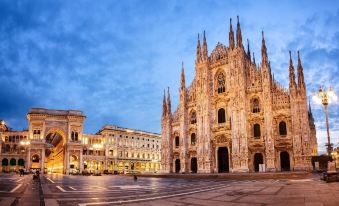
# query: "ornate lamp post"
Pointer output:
{"type": "Point", "coordinates": [25, 143]}
{"type": "Point", "coordinates": [325, 98]}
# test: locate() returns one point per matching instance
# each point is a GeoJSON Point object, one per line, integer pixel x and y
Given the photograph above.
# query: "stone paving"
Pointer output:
{"type": "Point", "coordinates": [123, 190]}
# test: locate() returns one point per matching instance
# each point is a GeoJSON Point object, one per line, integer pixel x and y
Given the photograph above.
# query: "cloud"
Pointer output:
{"type": "Point", "coordinates": [113, 60]}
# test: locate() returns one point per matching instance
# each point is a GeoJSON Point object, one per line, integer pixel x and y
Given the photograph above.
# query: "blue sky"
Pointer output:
{"type": "Point", "coordinates": [112, 59]}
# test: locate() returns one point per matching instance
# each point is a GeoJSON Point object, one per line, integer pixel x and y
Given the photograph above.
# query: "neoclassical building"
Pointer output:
{"type": "Point", "coordinates": [55, 143]}
{"type": "Point", "coordinates": [235, 117]}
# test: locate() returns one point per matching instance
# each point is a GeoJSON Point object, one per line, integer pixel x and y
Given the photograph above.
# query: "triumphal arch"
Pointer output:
{"type": "Point", "coordinates": [55, 139]}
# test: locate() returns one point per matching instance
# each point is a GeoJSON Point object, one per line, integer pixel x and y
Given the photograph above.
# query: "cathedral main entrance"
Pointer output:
{"type": "Point", "coordinates": [258, 159]}
{"type": "Point", "coordinates": [223, 162]}
{"type": "Point", "coordinates": [285, 161]}
{"type": "Point", "coordinates": [55, 153]}
{"type": "Point", "coordinates": [194, 165]}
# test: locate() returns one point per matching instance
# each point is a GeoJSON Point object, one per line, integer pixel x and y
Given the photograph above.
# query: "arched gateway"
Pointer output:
{"type": "Point", "coordinates": [55, 138]}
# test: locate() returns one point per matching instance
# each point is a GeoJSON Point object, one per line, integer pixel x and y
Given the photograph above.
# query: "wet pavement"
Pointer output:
{"type": "Point", "coordinates": [123, 190]}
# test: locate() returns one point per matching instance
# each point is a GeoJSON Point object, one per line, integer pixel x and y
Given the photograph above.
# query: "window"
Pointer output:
{"type": "Point", "coordinates": [221, 116]}
{"type": "Point", "coordinates": [193, 117]}
{"type": "Point", "coordinates": [255, 105]}
{"type": "Point", "coordinates": [177, 141]}
{"type": "Point", "coordinates": [36, 134]}
{"type": "Point", "coordinates": [221, 83]}
{"type": "Point", "coordinates": [282, 128]}
{"type": "Point", "coordinates": [75, 136]}
{"type": "Point", "coordinates": [256, 131]}
{"type": "Point", "coordinates": [193, 139]}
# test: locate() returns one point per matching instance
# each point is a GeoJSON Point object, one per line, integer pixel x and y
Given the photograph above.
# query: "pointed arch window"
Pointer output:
{"type": "Point", "coordinates": [193, 139]}
{"type": "Point", "coordinates": [221, 115]}
{"type": "Point", "coordinates": [282, 128]}
{"type": "Point", "coordinates": [256, 131]}
{"type": "Point", "coordinates": [221, 82]}
{"type": "Point", "coordinates": [177, 141]}
{"type": "Point", "coordinates": [193, 117]}
{"type": "Point", "coordinates": [255, 105]}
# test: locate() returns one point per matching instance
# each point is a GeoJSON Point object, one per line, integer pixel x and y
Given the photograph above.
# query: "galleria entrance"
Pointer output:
{"type": "Point", "coordinates": [55, 153]}
{"type": "Point", "coordinates": [223, 163]}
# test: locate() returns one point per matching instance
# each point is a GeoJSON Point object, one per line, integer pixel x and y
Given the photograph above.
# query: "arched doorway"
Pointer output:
{"type": "Point", "coordinates": [258, 159]}
{"type": "Point", "coordinates": [194, 165]}
{"type": "Point", "coordinates": [223, 164]}
{"type": "Point", "coordinates": [55, 152]}
{"type": "Point", "coordinates": [285, 161]}
{"type": "Point", "coordinates": [12, 162]}
{"type": "Point", "coordinates": [35, 161]}
{"type": "Point", "coordinates": [74, 164]}
{"type": "Point", "coordinates": [4, 164]}
{"type": "Point", "coordinates": [177, 165]}
{"type": "Point", "coordinates": [21, 163]}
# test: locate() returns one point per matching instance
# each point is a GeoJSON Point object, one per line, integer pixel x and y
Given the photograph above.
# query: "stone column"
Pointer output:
{"type": "Point", "coordinates": [28, 160]}
{"type": "Point", "coordinates": [42, 161]}
{"type": "Point", "coordinates": [81, 162]}
{"type": "Point", "coordinates": [67, 161]}
{"type": "Point", "coordinates": [106, 155]}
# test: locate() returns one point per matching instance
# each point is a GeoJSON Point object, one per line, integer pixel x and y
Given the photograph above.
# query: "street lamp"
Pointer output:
{"type": "Point", "coordinates": [325, 98]}
{"type": "Point", "coordinates": [25, 143]}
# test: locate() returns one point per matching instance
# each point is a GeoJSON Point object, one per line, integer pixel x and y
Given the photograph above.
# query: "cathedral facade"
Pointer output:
{"type": "Point", "coordinates": [235, 117]}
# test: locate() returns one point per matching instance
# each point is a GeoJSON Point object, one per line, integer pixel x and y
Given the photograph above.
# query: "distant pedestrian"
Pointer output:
{"type": "Point", "coordinates": [135, 177]}
{"type": "Point", "coordinates": [20, 172]}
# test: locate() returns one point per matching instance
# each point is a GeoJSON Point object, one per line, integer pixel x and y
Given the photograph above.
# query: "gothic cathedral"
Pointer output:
{"type": "Point", "coordinates": [235, 117]}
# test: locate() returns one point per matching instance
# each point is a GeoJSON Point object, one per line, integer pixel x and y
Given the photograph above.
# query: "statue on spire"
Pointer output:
{"type": "Point", "coordinates": [182, 76]}
{"type": "Point", "coordinates": [164, 105]}
{"type": "Point", "coordinates": [292, 84]}
{"type": "Point", "coordinates": [204, 49]}
{"type": "Point", "coordinates": [231, 35]}
{"type": "Point", "coordinates": [239, 36]}
{"type": "Point", "coordinates": [169, 112]}
{"type": "Point", "coordinates": [264, 57]}
{"type": "Point", "coordinates": [198, 57]}
{"type": "Point", "coordinates": [301, 81]}
{"type": "Point", "coordinates": [248, 49]}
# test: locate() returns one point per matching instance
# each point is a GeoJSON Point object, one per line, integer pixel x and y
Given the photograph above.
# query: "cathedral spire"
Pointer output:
{"type": "Point", "coordinates": [301, 82]}
{"type": "Point", "coordinates": [253, 58]}
{"type": "Point", "coordinates": [248, 49]}
{"type": "Point", "coordinates": [264, 58]}
{"type": "Point", "coordinates": [292, 85]}
{"type": "Point", "coordinates": [168, 102]}
{"type": "Point", "coordinates": [204, 49]}
{"type": "Point", "coordinates": [182, 85]}
{"type": "Point", "coordinates": [231, 36]}
{"type": "Point", "coordinates": [239, 36]}
{"type": "Point", "coordinates": [198, 57]}
{"type": "Point", "coordinates": [164, 105]}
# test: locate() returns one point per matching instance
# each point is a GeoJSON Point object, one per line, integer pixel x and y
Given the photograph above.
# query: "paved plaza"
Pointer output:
{"type": "Point", "coordinates": [123, 190]}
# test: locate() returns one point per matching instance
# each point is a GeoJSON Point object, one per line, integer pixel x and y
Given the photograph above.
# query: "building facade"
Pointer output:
{"type": "Point", "coordinates": [55, 143]}
{"type": "Point", "coordinates": [235, 117]}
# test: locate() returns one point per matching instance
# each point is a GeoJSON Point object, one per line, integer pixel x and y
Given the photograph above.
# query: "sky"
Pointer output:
{"type": "Point", "coordinates": [112, 59]}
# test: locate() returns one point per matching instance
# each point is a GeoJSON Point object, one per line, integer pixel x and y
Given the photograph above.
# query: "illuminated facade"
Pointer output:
{"type": "Point", "coordinates": [55, 142]}
{"type": "Point", "coordinates": [235, 117]}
